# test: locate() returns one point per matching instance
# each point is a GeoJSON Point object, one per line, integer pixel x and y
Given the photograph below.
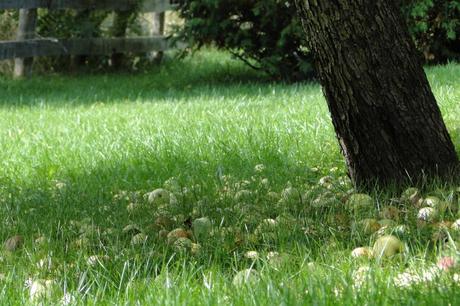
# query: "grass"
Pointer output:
{"type": "Point", "coordinates": [76, 151]}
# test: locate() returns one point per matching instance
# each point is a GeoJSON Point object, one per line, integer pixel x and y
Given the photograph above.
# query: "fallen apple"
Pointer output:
{"type": "Point", "coordinates": [427, 214]}
{"type": "Point", "coordinates": [183, 244]}
{"type": "Point", "coordinates": [195, 249]}
{"type": "Point", "coordinates": [447, 263]}
{"type": "Point", "coordinates": [326, 182]}
{"type": "Point", "coordinates": [387, 246]}
{"type": "Point", "coordinates": [360, 204]}
{"type": "Point", "coordinates": [139, 239]}
{"type": "Point", "coordinates": [201, 228]}
{"type": "Point", "coordinates": [390, 212]}
{"type": "Point", "coordinates": [411, 195]}
{"type": "Point", "coordinates": [253, 255]}
{"type": "Point", "coordinates": [291, 195]}
{"type": "Point", "coordinates": [246, 277]}
{"type": "Point", "coordinates": [176, 234]}
{"type": "Point", "coordinates": [131, 230]}
{"type": "Point", "coordinates": [41, 289]}
{"type": "Point", "coordinates": [159, 197]}
{"type": "Point", "coordinates": [456, 226]}
{"type": "Point", "coordinates": [367, 226]}
{"type": "Point", "coordinates": [14, 243]}
{"type": "Point", "coordinates": [243, 196]}
{"type": "Point", "coordinates": [362, 252]}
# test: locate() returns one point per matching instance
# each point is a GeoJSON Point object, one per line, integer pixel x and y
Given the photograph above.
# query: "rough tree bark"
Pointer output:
{"type": "Point", "coordinates": [385, 115]}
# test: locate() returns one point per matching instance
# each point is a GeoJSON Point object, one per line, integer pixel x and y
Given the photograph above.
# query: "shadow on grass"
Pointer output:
{"type": "Point", "coordinates": [208, 74]}
{"type": "Point", "coordinates": [88, 193]}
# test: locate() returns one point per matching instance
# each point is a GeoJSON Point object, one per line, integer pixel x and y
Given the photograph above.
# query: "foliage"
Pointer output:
{"type": "Point", "coordinates": [70, 23]}
{"type": "Point", "coordinates": [268, 35]}
{"type": "Point", "coordinates": [8, 24]}
{"type": "Point", "coordinates": [7, 32]}
{"type": "Point", "coordinates": [265, 34]}
{"type": "Point", "coordinates": [66, 24]}
{"type": "Point", "coordinates": [435, 26]}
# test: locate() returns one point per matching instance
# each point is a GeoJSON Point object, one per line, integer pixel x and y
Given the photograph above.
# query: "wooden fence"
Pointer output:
{"type": "Point", "coordinates": [26, 46]}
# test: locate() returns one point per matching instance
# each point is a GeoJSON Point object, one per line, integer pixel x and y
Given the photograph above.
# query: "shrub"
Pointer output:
{"type": "Point", "coordinates": [66, 24]}
{"type": "Point", "coordinates": [88, 24]}
{"type": "Point", "coordinates": [8, 24]}
{"type": "Point", "coordinates": [435, 26]}
{"type": "Point", "coordinates": [267, 35]}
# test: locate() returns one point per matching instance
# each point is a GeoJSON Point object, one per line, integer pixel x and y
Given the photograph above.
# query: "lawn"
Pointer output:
{"type": "Point", "coordinates": [258, 160]}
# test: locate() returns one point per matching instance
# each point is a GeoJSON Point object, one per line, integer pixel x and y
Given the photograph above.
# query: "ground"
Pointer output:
{"type": "Point", "coordinates": [256, 162]}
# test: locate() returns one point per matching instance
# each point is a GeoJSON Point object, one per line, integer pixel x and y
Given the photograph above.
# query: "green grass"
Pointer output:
{"type": "Point", "coordinates": [71, 145]}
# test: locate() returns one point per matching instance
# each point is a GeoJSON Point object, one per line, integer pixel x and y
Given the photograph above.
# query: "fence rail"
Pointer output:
{"type": "Point", "coordinates": [146, 5]}
{"type": "Point", "coordinates": [26, 46]}
{"type": "Point", "coordinates": [81, 46]}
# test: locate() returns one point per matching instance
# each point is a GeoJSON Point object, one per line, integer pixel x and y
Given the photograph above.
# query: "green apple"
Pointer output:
{"type": "Point", "coordinates": [176, 234]}
{"type": "Point", "coordinates": [246, 277]}
{"type": "Point", "coordinates": [139, 239]}
{"type": "Point", "coordinates": [201, 228]}
{"type": "Point", "coordinates": [159, 197]}
{"type": "Point", "coordinates": [183, 244]}
{"type": "Point", "coordinates": [427, 214]}
{"type": "Point", "coordinates": [243, 196]}
{"type": "Point", "coordinates": [362, 252]}
{"type": "Point", "coordinates": [367, 226]}
{"type": "Point", "coordinates": [387, 246]}
{"type": "Point", "coordinates": [14, 243]}
{"type": "Point", "coordinates": [291, 195]}
{"type": "Point", "coordinates": [360, 203]}
{"type": "Point", "coordinates": [456, 226]}
{"type": "Point", "coordinates": [131, 230]}
{"type": "Point", "coordinates": [251, 255]}
{"type": "Point", "coordinates": [411, 195]}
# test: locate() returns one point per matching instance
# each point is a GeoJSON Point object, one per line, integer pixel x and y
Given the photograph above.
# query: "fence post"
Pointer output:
{"type": "Point", "coordinates": [26, 30]}
{"type": "Point", "coordinates": [120, 25]}
{"type": "Point", "coordinates": [82, 18]}
{"type": "Point", "coordinates": [158, 28]}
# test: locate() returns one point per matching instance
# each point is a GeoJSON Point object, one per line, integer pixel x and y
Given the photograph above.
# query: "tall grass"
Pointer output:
{"type": "Point", "coordinates": [71, 144]}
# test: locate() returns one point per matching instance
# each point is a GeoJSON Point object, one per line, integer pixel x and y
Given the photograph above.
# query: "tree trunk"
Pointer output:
{"type": "Point", "coordinates": [385, 115]}
{"type": "Point", "coordinates": [26, 30]}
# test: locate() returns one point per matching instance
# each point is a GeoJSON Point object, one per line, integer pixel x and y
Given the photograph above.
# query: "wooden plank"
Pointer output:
{"type": "Point", "coordinates": [158, 6]}
{"type": "Point", "coordinates": [122, 5]}
{"type": "Point", "coordinates": [119, 27]}
{"type": "Point", "coordinates": [93, 46]}
{"type": "Point", "coordinates": [158, 28]}
{"type": "Point", "coordinates": [26, 30]}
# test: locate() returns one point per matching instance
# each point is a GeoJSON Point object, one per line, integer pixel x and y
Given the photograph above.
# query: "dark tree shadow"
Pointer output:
{"type": "Point", "coordinates": [208, 76]}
